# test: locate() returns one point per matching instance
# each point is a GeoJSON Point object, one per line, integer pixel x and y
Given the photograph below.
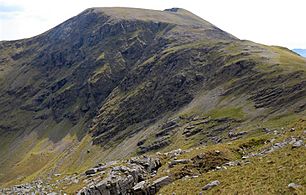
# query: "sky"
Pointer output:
{"type": "Point", "coordinates": [271, 22]}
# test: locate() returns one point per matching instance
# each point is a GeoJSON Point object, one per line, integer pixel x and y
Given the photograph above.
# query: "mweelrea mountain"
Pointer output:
{"type": "Point", "coordinates": [116, 83]}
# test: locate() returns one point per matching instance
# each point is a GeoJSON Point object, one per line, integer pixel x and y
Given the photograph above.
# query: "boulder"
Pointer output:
{"type": "Point", "coordinates": [160, 182]}
{"type": "Point", "coordinates": [140, 188]}
{"type": "Point", "coordinates": [211, 185]}
{"type": "Point", "coordinates": [175, 153]}
{"type": "Point", "coordinates": [294, 186]}
{"type": "Point", "coordinates": [232, 134]}
{"type": "Point", "coordinates": [99, 168]}
{"type": "Point", "coordinates": [91, 171]}
{"type": "Point", "coordinates": [112, 185]}
{"type": "Point", "coordinates": [298, 144]}
{"type": "Point", "coordinates": [180, 161]}
{"type": "Point", "coordinates": [148, 163]}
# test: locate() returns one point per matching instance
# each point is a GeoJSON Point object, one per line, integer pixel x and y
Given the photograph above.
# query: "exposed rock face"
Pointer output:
{"type": "Point", "coordinates": [157, 184]}
{"type": "Point", "coordinates": [99, 73]}
{"type": "Point", "coordinates": [126, 179]}
{"type": "Point", "coordinates": [150, 164]}
{"type": "Point", "coordinates": [118, 60]}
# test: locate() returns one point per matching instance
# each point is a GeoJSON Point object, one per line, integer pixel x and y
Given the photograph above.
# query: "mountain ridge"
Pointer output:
{"type": "Point", "coordinates": [184, 17]}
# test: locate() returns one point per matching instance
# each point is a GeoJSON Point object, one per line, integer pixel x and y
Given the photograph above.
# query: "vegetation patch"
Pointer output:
{"type": "Point", "coordinates": [231, 112]}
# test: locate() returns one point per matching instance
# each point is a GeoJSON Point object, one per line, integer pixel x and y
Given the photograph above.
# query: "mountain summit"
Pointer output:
{"type": "Point", "coordinates": [172, 16]}
{"type": "Point", "coordinates": [111, 83]}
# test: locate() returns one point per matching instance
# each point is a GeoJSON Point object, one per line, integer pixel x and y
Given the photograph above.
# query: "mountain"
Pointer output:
{"type": "Point", "coordinates": [112, 83]}
{"type": "Point", "coordinates": [302, 52]}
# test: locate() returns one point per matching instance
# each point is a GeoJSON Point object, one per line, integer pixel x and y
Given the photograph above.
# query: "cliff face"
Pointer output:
{"type": "Point", "coordinates": [69, 71]}
{"type": "Point", "coordinates": [118, 73]}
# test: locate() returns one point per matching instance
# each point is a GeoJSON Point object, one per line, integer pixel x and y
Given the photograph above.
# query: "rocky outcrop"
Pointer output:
{"type": "Point", "coordinates": [159, 183]}
{"type": "Point", "coordinates": [141, 175]}
{"type": "Point", "coordinates": [157, 144]}
{"type": "Point", "coordinates": [125, 179]}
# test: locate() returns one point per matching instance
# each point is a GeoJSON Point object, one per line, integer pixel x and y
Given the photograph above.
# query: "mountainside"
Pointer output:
{"type": "Point", "coordinates": [111, 83]}
{"type": "Point", "coordinates": [302, 52]}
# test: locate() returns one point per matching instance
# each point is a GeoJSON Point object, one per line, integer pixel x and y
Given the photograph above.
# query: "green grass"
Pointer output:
{"type": "Point", "coordinates": [281, 120]}
{"type": "Point", "coordinates": [289, 60]}
{"type": "Point", "coordinates": [231, 112]}
{"type": "Point", "coordinates": [101, 57]}
{"type": "Point", "coordinates": [269, 174]}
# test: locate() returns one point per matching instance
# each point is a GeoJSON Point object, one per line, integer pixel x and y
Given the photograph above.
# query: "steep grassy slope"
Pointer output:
{"type": "Point", "coordinates": [111, 78]}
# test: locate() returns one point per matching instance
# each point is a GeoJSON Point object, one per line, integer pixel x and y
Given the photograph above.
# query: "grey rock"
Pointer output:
{"type": "Point", "coordinates": [232, 134]}
{"type": "Point", "coordinates": [157, 144]}
{"type": "Point", "coordinates": [97, 169]}
{"type": "Point", "coordinates": [141, 142]}
{"type": "Point", "coordinates": [190, 132]}
{"type": "Point", "coordinates": [166, 130]}
{"type": "Point", "coordinates": [292, 129]}
{"type": "Point", "coordinates": [148, 163]}
{"type": "Point", "coordinates": [232, 163]}
{"type": "Point", "coordinates": [111, 186]}
{"type": "Point", "coordinates": [91, 171]}
{"type": "Point", "coordinates": [170, 123]}
{"type": "Point", "coordinates": [122, 179]}
{"type": "Point", "coordinates": [75, 181]}
{"type": "Point", "coordinates": [266, 130]}
{"type": "Point", "coordinates": [294, 186]}
{"type": "Point", "coordinates": [180, 161]}
{"type": "Point", "coordinates": [216, 139]}
{"type": "Point", "coordinates": [211, 185]}
{"type": "Point", "coordinates": [293, 140]}
{"type": "Point", "coordinates": [298, 144]}
{"type": "Point", "coordinates": [160, 182]}
{"type": "Point", "coordinates": [140, 188]}
{"type": "Point", "coordinates": [203, 121]}
{"type": "Point", "coordinates": [190, 127]}
{"type": "Point", "coordinates": [175, 153]}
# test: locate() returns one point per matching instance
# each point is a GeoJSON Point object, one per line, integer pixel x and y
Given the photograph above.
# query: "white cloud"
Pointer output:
{"type": "Point", "coordinates": [274, 22]}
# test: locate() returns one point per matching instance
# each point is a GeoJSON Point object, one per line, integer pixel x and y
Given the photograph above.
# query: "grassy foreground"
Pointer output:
{"type": "Point", "coordinates": [268, 174]}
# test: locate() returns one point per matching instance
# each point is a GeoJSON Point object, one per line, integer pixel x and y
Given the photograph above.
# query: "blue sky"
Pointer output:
{"type": "Point", "coordinates": [271, 22]}
{"type": "Point", "coordinates": [9, 8]}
